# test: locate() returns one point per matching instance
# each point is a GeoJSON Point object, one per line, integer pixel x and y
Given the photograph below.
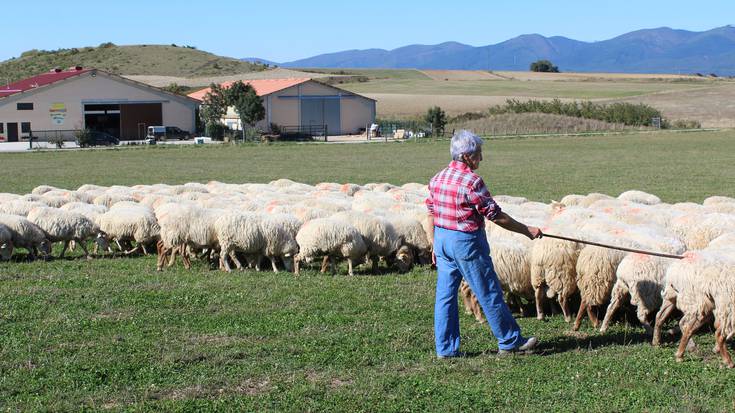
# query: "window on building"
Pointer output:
{"type": "Point", "coordinates": [25, 127]}
{"type": "Point", "coordinates": [25, 106]}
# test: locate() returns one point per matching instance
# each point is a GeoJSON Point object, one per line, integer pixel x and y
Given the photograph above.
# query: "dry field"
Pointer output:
{"type": "Point", "coordinates": [713, 106]}
{"type": "Point", "coordinates": [278, 73]}
{"type": "Point", "coordinates": [461, 75]}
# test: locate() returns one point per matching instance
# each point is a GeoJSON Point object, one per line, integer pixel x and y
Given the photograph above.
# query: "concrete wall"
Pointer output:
{"type": "Point", "coordinates": [71, 95]}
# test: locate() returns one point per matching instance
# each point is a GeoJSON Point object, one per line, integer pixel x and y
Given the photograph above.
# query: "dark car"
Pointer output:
{"type": "Point", "coordinates": [96, 138]}
{"type": "Point", "coordinates": [173, 132]}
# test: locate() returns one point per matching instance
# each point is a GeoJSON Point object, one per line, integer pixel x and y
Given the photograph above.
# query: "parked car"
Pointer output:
{"type": "Point", "coordinates": [167, 132]}
{"type": "Point", "coordinates": [97, 138]}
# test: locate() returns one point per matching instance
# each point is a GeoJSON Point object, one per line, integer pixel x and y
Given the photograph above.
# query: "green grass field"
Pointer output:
{"type": "Point", "coordinates": [115, 334]}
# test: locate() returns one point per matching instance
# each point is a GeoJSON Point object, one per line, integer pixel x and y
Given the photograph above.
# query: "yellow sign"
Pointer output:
{"type": "Point", "coordinates": [58, 113]}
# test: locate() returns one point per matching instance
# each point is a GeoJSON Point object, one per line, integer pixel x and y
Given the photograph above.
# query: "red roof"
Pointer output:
{"type": "Point", "coordinates": [262, 86]}
{"type": "Point", "coordinates": [40, 80]}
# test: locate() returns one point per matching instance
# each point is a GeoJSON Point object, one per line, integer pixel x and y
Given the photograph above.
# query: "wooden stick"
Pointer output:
{"type": "Point", "coordinates": [658, 254]}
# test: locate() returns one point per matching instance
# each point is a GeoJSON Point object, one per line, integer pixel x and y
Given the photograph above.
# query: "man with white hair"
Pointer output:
{"type": "Point", "coordinates": [458, 204]}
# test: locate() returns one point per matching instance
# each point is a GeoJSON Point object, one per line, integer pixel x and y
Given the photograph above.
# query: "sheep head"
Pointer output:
{"type": "Point", "coordinates": [6, 251]}
{"type": "Point", "coordinates": [45, 247]}
{"type": "Point", "coordinates": [404, 258]}
{"type": "Point", "coordinates": [102, 241]}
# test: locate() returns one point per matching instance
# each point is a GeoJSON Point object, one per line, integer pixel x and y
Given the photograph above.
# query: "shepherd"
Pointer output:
{"type": "Point", "coordinates": [458, 204]}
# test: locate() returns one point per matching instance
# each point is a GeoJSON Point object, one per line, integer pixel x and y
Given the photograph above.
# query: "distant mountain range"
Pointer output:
{"type": "Point", "coordinates": [662, 50]}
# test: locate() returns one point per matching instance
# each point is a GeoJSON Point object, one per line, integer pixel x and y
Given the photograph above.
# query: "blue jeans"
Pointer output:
{"type": "Point", "coordinates": [467, 255]}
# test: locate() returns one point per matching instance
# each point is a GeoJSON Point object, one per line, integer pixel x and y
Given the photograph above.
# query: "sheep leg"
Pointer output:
{"type": "Point", "coordinates": [325, 262]}
{"type": "Point", "coordinates": [539, 303]}
{"type": "Point", "coordinates": [257, 262]}
{"type": "Point", "coordinates": [465, 292]}
{"type": "Point", "coordinates": [273, 264]}
{"type": "Point", "coordinates": [84, 248]}
{"type": "Point", "coordinates": [720, 343]}
{"type": "Point", "coordinates": [223, 263]}
{"type": "Point", "coordinates": [583, 306]}
{"type": "Point", "coordinates": [296, 262]}
{"type": "Point", "coordinates": [73, 245]}
{"type": "Point", "coordinates": [663, 314]}
{"type": "Point", "coordinates": [374, 261]}
{"type": "Point", "coordinates": [564, 303]}
{"type": "Point", "coordinates": [145, 251]}
{"type": "Point", "coordinates": [615, 302]}
{"type": "Point", "coordinates": [592, 314]}
{"type": "Point", "coordinates": [333, 266]}
{"type": "Point", "coordinates": [136, 249]}
{"type": "Point", "coordinates": [117, 241]}
{"type": "Point", "coordinates": [233, 255]}
{"type": "Point", "coordinates": [687, 330]}
{"type": "Point", "coordinates": [63, 249]}
{"type": "Point", "coordinates": [349, 266]}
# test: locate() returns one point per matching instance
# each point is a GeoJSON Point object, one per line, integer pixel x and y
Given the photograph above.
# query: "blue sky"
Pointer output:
{"type": "Point", "coordinates": [287, 30]}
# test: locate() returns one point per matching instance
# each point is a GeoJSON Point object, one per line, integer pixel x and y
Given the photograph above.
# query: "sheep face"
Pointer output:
{"type": "Point", "coordinates": [404, 258]}
{"type": "Point", "coordinates": [45, 248]}
{"type": "Point", "coordinates": [6, 251]}
{"type": "Point", "coordinates": [102, 241]}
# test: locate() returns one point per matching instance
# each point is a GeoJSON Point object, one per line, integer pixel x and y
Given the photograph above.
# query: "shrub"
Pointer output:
{"type": "Point", "coordinates": [215, 130]}
{"type": "Point", "coordinates": [84, 137]}
{"type": "Point", "coordinates": [57, 140]}
{"type": "Point", "coordinates": [625, 113]}
{"type": "Point", "coordinates": [107, 45]}
{"type": "Point", "coordinates": [685, 124]}
{"type": "Point", "coordinates": [544, 66]}
{"type": "Point", "coordinates": [275, 128]}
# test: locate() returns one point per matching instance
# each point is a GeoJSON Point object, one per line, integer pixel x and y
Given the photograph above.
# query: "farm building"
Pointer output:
{"type": "Point", "coordinates": [305, 105]}
{"type": "Point", "coordinates": [59, 102]}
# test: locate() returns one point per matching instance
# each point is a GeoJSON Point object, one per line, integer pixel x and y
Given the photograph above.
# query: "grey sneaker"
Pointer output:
{"type": "Point", "coordinates": [528, 348]}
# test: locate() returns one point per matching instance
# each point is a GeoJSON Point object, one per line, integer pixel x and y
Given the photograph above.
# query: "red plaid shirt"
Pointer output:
{"type": "Point", "coordinates": [458, 199]}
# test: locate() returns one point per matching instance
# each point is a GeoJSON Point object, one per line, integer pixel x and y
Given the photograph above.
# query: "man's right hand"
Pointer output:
{"type": "Point", "coordinates": [534, 232]}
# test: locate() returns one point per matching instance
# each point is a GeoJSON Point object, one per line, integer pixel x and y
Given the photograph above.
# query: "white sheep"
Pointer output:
{"type": "Point", "coordinates": [137, 224]}
{"type": "Point", "coordinates": [65, 226]}
{"type": "Point", "coordinates": [25, 234]}
{"type": "Point", "coordinates": [239, 232]}
{"type": "Point", "coordinates": [182, 226]}
{"type": "Point", "coordinates": [329, 237]}
{"type": "Point", "coordinates": [639, 197]}
{"type": "Point", "coordinates": [379, 235]}
{"type": "Point", "coordinates": [279, 232]}
{"type": "Point", "coordinates": [19, 207]}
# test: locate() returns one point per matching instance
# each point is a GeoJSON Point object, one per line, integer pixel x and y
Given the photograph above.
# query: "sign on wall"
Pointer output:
{"type": "Point", "coordinates": [58, 113]}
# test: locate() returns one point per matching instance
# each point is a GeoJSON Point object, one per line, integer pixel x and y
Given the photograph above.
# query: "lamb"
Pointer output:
{"type": "Point", "coordinates": [65, 226]}
{"type": "Point", "coordinates": [137, 224]}
{"type": "Point", "coordinates": [330, 237]}
{"type": "Point", "coordinates": [415, 240]}
{"type": "Point", "coordinates": [239, 232]}
{"type": "Point", "coordinates": [6, 243]}
{"type": "Point", "coordinates": [25, 234]}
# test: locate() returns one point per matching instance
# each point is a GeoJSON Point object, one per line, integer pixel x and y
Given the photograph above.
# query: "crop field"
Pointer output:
{"type": "Point", "coordinates": [115, 334]}
{"type": "Point", "coordinates": [409, 93]}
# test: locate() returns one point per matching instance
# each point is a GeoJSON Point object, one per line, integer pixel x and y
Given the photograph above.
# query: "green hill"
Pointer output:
{"type": "Point", "coordinates": [183, 61]}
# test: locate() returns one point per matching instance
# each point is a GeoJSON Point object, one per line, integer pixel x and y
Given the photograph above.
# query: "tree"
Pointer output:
{"type": "Point", "coordinates": [247, 104]}
{"type": "Point", "coordinates": [175, 88]}
{"type": "Point", "coordinates": [544, 66]}
{"type": "Point", "coordinates": [437, 118]}
{"type": "Point", "coordinates": [214, 107]}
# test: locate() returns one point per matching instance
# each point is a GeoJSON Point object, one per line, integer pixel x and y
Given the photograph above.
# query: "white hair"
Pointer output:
{"type": "Point", "coordinates": [464, 142]}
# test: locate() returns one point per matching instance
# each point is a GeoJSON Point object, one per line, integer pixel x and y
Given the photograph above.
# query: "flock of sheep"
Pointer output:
{"type": "Point", "coordinates": [290, 223]}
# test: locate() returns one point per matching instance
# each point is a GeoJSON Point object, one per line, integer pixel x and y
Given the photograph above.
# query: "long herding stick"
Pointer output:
{"type": "Point", "coordinates": [658, 254]}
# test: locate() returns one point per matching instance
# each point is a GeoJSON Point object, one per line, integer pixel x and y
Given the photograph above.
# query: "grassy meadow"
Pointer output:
{"type": "Point", "coordinates": [114, 334]}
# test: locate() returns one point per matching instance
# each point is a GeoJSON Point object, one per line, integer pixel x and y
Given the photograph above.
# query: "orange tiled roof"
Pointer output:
{"type": "Point", "coordinates": [262, 86]}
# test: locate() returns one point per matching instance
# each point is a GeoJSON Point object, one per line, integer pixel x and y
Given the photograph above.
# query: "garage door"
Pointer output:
{"type": "Point", "coordinates": [135, 119]}
{"type": "Point", "coordinates": [318, 112]}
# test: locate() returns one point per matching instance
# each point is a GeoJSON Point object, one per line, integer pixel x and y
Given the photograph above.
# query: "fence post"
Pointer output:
{"type": "Point", "coordinates": [326, 132]}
